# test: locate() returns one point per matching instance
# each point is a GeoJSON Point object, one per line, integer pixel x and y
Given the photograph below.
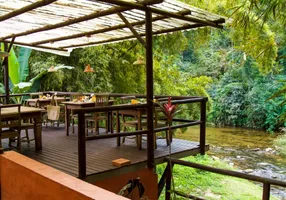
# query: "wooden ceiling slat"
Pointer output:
{"type": "Point", "coordinates": [69, 22]}
{"type": "Point", "coordinates": [104, 29]}
{"type": "Point", "coordinates": [185, 27]}
{"type": "Point", "coordinates": [161, 12]}
{"type": "Point", "coordinates": [77, 23]}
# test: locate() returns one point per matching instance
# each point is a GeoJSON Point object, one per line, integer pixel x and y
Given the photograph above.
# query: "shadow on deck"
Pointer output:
{"type": "Point", "coordinates": [61, 152]}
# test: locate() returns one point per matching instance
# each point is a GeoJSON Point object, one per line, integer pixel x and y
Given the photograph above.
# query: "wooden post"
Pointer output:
{"type": "Point", "coordinates": [149, 87]}
{"type": "Point", "coordinates": [203, 126]}
{"type": "Point", "coordinates": [6, 76]}
{"type": "Point", "coordinates": [266, 191]}
{"type": "Point", "coordinates": [81, 146]}
{"type": "Point", "coordinates": [168, 181]}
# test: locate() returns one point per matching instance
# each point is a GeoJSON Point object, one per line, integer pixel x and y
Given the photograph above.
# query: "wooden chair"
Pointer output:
{"type": "Point", "coordinates": [26, 126]}
{"type": "Point", "coordinates": [158, 120]}
{"type": "Point", "coordinates": [36, 95]}
{"type": "Point", "coordinates": [11, 129]}
{"type": "Point", "coordinates": [101, 100]}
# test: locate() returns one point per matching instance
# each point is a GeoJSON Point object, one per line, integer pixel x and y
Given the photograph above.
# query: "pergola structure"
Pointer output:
{"type": "Point", "coordinates": [58, 26]}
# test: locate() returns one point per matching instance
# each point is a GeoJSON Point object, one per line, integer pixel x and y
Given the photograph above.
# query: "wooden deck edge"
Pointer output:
{"type": "Point", "coordinates": [92, 178]}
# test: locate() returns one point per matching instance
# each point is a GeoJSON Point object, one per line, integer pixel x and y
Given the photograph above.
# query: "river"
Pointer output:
{"type": "Point", "coordinates": [250, 151]}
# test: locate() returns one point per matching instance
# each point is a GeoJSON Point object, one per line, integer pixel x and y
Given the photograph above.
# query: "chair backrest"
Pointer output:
{"type": "Point", "coordinates": [75, 95]}
{"type": "Point", "coordinates": [36, 95]}
{"type": "Point", "coordinates": [126, 99]}
{"type": "Point", "coordinates": [102, 99]}
{"type": "Point", "coordinates": [15, 121]}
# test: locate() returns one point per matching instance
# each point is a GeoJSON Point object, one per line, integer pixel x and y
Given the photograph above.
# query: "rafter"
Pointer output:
{"type": "Point", "coordinates": [89, 33]}
{"type": "Point", "coordinates": [20, 11]}
{"type": "Point", "coordinates": [37, 46]}
{"type": "Point", "coordinates": [69, 22]}
{"type": "Point", "coordinates": [132, 30]}
{"type": "Point", "coordinates": [161, 12]}
{"type": "Point", "coordinates": [185, 27]}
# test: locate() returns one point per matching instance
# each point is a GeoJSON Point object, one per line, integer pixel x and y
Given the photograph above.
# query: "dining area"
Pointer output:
{"type": "Point", "coordinates": [82, 133]}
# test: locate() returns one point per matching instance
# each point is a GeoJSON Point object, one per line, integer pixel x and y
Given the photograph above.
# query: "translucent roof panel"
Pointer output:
{"type": "Point", "coordinates": [60, 26]}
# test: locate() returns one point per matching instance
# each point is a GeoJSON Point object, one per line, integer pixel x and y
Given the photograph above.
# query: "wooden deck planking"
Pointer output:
{"type": "Point", "coordinates": [60, 151]}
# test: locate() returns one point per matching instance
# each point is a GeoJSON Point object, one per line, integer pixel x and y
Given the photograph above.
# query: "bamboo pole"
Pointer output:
{"type": "Point", "coordinates": [132, 29]}
{"type": "Point", "coordinates": [161, 12]}
{"type": "Point", "coordinates": [37, 46]}
{"type": "Point", "coordinates": [185, 27]}
{"type": "Point", "coordinates": [69, 22]}
{"type": "Point", "coordinates": [20, 11]}
{"type": "Point", "coordinates": [121, 26]}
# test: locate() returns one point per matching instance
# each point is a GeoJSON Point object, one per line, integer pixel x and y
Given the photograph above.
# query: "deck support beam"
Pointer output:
{"type": "Point", "coordinates": [149, 89]}
{"type": "Point", "coordinates": [81, 146]}
{"type": "Point", "coordinates": [203, 126]}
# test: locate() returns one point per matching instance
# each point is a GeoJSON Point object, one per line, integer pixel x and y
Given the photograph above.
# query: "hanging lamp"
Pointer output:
{"type": "Point", "coordinates": [3, 54]}
{"type": "Point", "coordinates": [52, 69]}
{"type": "Point", "coordinates": [88, 68]}
{"type": "Point", "coordinates": [139, 61]}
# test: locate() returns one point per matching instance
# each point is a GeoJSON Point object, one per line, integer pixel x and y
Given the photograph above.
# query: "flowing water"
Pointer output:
{"type": "Point", "coordinates": [250, 151]}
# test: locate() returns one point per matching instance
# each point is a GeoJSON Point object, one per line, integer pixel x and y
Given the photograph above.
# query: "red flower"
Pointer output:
{"type": "Point", "coordinates": [169, 109]}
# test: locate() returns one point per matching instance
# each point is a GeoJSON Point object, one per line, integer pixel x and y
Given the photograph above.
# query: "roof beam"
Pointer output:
{"type": "Point", "coordinates": [149, 2]}
{"type": "Point", "coordinates": [185, 27]}
{"type": "Point", "coordinates": [132, 30]}
{"type": "Point", "coordinates": [89, 33]}
{"type": "Point", "coordinates": [37, 46]}
{"type": "Point", "coordinates": [20, 11]}
{"type": "Point", "coordinates": [69, 22]}
{"type": "Point", "coordinates": [161, 12]}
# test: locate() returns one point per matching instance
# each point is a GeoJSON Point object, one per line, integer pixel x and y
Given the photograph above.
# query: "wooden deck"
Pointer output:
{"type": "Point", "coordinates": [60, 151]}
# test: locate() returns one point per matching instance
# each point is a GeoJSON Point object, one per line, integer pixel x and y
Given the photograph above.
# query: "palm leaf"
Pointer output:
{"type": "Point", "coordinates": [24, 55]}
{"type": "Point", "coordinates": [277, 94]}
{"type": "Point", "coordinates": [13, 66]}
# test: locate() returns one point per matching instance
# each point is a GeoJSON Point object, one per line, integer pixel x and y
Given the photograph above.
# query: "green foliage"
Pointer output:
{"type": "Point", "coordinates": [240, 100]}
{"type": "Point", "coordinates": [23, 58]}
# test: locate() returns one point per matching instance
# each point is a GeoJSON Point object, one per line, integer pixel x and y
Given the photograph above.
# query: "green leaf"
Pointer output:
{"type": "Point", "coordinates": [13, 66]}
{"type": "Point", "coordinates": [24, 55]}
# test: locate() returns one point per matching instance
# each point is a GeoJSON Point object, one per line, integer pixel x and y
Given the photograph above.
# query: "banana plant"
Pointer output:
{"type": "Point", "coordinates": [19, 71]}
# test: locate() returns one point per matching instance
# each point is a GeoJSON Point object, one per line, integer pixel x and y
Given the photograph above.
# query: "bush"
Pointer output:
{"type": "Point", "coordinates": [240, 98]}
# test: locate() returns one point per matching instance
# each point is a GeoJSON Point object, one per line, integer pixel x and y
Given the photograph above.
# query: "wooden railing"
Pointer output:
{"type": "Point", "coordinates": [185, 123]}
{"type": "Point", "coordinates": [167, 178]}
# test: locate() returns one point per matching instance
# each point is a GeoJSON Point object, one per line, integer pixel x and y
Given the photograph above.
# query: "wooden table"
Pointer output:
{"type": "Point", "coordinates": [27, 113]}
{"type": "Point", "coordinates": [70, 105]}
{"type": "Point", "coordinates": [43, 102]}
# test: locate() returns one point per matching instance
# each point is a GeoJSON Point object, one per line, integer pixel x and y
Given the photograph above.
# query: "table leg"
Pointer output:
{"type": "Point", "coordinates": [139, 137]}
{"type": "Point", "coordinates": [67, 120]}
{"type": "Point", "coordinates": [118, 127]}
{"type": "Point", "coordinates": [111, 121]}
{"type": "Point", "coordinates": [38, 132]}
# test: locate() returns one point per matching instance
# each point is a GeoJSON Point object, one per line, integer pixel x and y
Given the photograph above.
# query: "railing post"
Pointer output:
{"type": "Point", "coordinates": [168, 181]}
{"type": "Point", "coordinates": [266, 191]}
{"type": "Point", "coordinates": [81, 146]}
{"type": "Point", "coordinates": [203, 126]}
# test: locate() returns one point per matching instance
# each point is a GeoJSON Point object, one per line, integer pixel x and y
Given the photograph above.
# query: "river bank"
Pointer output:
{"type": "Point", "coordinates": [250, 151]}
